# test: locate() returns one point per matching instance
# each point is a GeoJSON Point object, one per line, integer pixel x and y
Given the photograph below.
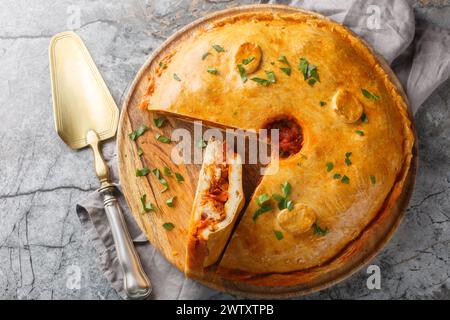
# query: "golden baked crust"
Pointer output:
{"type": "Point", "coordinates": [380, 158]}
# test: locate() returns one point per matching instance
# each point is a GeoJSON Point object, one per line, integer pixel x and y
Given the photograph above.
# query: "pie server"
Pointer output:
{"type": "Point", "coordinates": [86, 114]}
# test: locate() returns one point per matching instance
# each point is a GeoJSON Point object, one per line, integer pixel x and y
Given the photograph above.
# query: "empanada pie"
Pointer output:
{"type": "Point", "coordinates": [345, 136]}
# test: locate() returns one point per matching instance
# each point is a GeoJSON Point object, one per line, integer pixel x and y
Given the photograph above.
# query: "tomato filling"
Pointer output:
{"type": "Point", "coordinates": [216, 197]}
{"type": "Point", "coordinates": [219, 187]}
{"type": "Point", "coordinates": [290, 135]}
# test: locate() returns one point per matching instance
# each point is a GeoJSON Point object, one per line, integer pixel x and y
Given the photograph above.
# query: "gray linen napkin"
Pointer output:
{"type": "Point", "coordinates": [419, 54]}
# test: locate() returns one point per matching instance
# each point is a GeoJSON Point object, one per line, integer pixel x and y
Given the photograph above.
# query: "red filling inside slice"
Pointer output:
{"type": "Point", "coordinates": [290, 135]}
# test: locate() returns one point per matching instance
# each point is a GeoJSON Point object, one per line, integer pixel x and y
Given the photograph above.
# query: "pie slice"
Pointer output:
{"type": "Point", "coordinates": [219, 199]}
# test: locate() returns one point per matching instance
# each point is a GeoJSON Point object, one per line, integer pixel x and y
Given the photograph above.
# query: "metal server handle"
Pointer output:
{"type": "Point", "coordinates": [135, 282]}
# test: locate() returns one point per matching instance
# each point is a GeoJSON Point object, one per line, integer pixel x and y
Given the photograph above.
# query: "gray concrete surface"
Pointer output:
{"type": "Point", "coordinates": [42, 247]}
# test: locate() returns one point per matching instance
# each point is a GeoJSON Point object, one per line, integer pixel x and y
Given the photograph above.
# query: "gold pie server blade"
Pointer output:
{"type": "Point", "coordinates": [86, 114]}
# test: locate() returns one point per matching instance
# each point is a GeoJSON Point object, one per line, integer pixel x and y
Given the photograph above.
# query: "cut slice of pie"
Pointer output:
{"type": "Point", "coordinates": [219, 199]}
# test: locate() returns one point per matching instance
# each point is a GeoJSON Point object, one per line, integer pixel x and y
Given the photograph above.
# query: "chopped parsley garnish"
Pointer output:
{"type": "Point", "coordinates": [262, 209]}
{"type": "Point", "coordinates": [159, 122]}
{"type": "Point", "coordinates": [373, 180]}
{"type": "Point", "coordinates": [277, 197]}
{"type": "Point", "coordinates": [283, 59]}
{"type": "Point", "coordinates": [205, 55]}
{"type": "Point", "coordinates": [167, 171]}
{"type": "Point", "coordinates": [248, 60]}
{"type": "Point", "coordinates": [165, 185]}
{"type": "Point", "coordinates": [201, 144]}
{"type": "Point", "coordinates": [303, 67]}
{"type": "Point", "coordinates": [360, 132]}
{"type": "Point", "coordinates": [138, 132]}
{"type": "Point", "coordinates": [323, 103]}
{"type": "Point", "coordinates": [286, 70]}
{"type": "Point", "coordinates": [309, 71]}
{"type": "Point", "coordinates": [290, 205]}
{"type": "Point", "coordinates": [261, 81]}
{"type": "Point", "coordinates": [176, 77]}
{"type": "Point", "coordinates": [319, 231]}
{"type": "Point", "coordinates": [212, 70]}
{"type": "Point", "coordinates": [364, 118]}
{"type": "Point", "coordinates": [170, 201]}
{"type": "Point", "coordinates": [271, 76]}
{"type": "Point", "coordinates": [242, 72]}
{"type": "Point", "coordinates": [283, 203]}
{"type": "Point", "coordinates": [311, 82]}
{"type": "Point", "coordinates": [262, 199]}
{"type": "Point", "coordinates": [161, 180]}
{"type": "Point", "coordinates": [330, 166]}
{"type": "Point", "coordinates": [265, 82]}
{"type": "Point", "coordinates": [278, 234]}
{"type": "Point", "coordinates": [162, 65]}
{"type": "Point", "coordinates": [286, 189]}
{"type": "Point", "coordinates": [142, 172]}
{"type": "Point", "coordinates": [347, 158]}
{"type": "Point", "coordinates": [262, 202]}
{"type": "Point", "coordinates": [283, 200]}
{"type": "Point", "coordinates": [163, 139]}
{"type": "Point", "coordinates": [345, 179]}
{"type": "Point", "coordinates": [168, 226]}
{"type": "Point", "coordinates": [218, 48]}
{"type": "Point", "coordinates": [147, 207]}
{"type": "Point", "coordinates": [140, 152]}
{"type": "Point", "coordinates": [312, 69]}
{"type": "Point", "coordinates": [370, 95]}
{"type": "Point", "coordinates": [157, 173]}
{"type": "Point", "coordinates": [179, 177]}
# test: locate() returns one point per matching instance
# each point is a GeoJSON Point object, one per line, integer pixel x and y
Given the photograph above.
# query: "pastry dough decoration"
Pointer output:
{"type": "Point", "coordinates": [248, 55]}
{"type": "Point", "coordinates": [347, 106]}
{"type": "Point", "coordinates": [298, 220]}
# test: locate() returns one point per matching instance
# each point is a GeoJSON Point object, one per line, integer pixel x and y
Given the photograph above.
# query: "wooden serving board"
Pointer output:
{"type": "Point", "coordinates": [172, 244]}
